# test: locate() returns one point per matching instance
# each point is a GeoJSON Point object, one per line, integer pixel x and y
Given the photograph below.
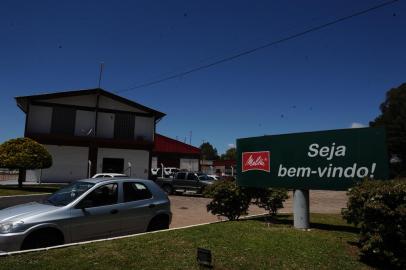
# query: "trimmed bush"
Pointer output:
{"type": "Point", "coordinates": [271, 199]}
{"type": "Point", "coordinates": [229, 200]}
{"type": "Point", "coordinates": [379, 209]}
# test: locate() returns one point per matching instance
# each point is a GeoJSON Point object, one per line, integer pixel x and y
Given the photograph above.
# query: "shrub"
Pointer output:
{"type": "Point", "coordinates": [379, 209]}
{"type": "Point", "coordinates": [271, 199]}
{"type": "Point", "coordinates": [229, 200]}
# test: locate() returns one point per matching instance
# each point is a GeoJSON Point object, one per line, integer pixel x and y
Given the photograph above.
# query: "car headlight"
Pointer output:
{"type": "Point", "coordinates": [10, 227]}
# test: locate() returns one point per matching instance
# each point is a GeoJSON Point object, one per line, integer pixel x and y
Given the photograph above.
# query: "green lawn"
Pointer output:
{"type": "Point", "coordinates": [249, 244]}
{"type": "Point", "coordinates": [28, 189]}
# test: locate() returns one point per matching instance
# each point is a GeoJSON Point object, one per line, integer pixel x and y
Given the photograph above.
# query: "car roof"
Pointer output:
{"type": "Point", "coordinates": [113, 174]}
{"type": "Point", "coordinates": [99, 180]}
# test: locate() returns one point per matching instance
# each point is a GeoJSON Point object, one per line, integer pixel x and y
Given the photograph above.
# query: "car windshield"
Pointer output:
{"type": "Point", "coordinates": [68, 194]}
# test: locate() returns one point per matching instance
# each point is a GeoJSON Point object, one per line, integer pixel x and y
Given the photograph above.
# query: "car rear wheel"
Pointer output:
{"type": "Point", "coordinates": [43, 238]}
{"type": "Point", "coordinates": [168, 189]}
{"type": "Point", "coordinates": [158, 223]}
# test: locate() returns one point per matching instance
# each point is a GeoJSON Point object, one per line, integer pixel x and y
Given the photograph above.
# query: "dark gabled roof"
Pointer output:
{"type": "Point", "coordinates": [22, 100]}
{"type": "Point", "coordinates": [163, 144]}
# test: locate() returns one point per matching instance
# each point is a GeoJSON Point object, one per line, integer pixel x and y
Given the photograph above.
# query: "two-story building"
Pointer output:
{"type": "Point", "coordinates": [90, 131]}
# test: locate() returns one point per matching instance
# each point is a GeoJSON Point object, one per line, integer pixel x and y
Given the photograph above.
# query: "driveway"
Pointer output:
{"type": "Point", "coordinates": [191, 210]}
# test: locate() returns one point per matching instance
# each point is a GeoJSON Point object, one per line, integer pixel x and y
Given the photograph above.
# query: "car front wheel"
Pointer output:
{"type": "Point", "coordinates": [43, 238]}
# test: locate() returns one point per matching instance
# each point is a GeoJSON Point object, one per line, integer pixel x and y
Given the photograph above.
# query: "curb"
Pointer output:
{"type": "Point", "coordinates": [4, 254]}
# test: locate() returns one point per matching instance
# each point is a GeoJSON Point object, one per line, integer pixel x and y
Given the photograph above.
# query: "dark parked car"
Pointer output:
{"type": "Point", "coordinates": [185, 182]}
{"type": "Point", "coordinates": [85, 210]}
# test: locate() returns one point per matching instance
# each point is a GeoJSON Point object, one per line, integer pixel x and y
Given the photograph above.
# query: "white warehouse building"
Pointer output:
{"type": "Point", "coordinates": [90, 131]}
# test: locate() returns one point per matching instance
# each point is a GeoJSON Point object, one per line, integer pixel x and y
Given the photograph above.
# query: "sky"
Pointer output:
{"type": "Point", "coordinates": [330, 79]}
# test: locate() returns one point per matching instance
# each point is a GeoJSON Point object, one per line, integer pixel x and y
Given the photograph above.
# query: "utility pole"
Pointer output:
{"type": "Point", "coordinates": [101, 73]}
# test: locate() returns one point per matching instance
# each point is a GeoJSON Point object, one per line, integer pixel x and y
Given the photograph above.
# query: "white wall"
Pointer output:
{"type": "Point", "coordinates": [84, 124]}
{"type": "Point", "coordinates": [83, 100]}
{"type": "Point", "coordinates": [144, 127]}
{"type": "Point", "coordinates": [108, 103]}
{"type": "Point", "coordinates": [69, 164]}
{"type": "Point", "coordinates": [39, 119]}
{"type": "Point", "coordinates": [189, 164]}
{"type": "Point", "coordinates": [105, 125]}
{"type": "Point", "coordinates": [139, 160]}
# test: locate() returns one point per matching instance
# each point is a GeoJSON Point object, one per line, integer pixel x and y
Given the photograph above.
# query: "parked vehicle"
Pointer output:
{"type": "Point", "coordinates": [167, 172]}
{"type": "Point", "coordinates": [170, 171]}
{"type": "Point", "coordinates": [154, 171]}
{"type": "Point", "coordinates": [86, 210]}
{"type": "Point", "coordinates": [214, 177]}
{"type": "Point", "coordinates": [110, 175]}
{"type": "Point", "coordinates": [185, 182]}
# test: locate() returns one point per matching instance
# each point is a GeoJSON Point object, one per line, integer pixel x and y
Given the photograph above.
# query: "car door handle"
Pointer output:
{"type": "Point", "coordinates": [114, 211]}
{"type": "Point", "coordinates": [151, 205]}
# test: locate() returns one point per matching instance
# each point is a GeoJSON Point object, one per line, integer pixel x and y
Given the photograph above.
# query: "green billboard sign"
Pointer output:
{"type": "Point", "coordinates": [330, 160]}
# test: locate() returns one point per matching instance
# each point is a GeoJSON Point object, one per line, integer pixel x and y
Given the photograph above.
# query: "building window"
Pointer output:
{"type": "Point", "coordinates": [124, 124]}
{"type": "Point", "coordinates": [63, 120]}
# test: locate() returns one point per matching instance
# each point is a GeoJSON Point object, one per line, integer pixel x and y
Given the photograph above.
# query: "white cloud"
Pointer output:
{"type": "Point", "coordinates": [357, 125]}
{"type": "Point", "coordinates": [231, 145]}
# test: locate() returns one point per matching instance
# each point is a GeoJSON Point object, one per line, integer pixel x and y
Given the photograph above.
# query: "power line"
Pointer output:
{"type": "Point", "coordinates": [267, 45]}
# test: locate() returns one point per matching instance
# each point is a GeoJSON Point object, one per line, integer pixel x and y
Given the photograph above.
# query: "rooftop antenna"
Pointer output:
{"type": "Point", "coordinates": [101, 73]}
{"type": "Point", "coordinates": [190, 138]}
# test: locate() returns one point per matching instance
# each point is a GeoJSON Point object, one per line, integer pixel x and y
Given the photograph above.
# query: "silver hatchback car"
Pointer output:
{"type": "Point", "coordinates": [85, 210]}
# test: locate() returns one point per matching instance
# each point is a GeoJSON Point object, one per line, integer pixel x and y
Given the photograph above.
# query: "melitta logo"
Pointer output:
{"type": "Point", "coordinates": [252, 161]}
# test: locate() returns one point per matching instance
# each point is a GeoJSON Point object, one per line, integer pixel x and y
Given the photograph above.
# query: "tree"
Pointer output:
{"type": "Point", "coordinates": [24, 154]}
{"type": "Point", "coordinates": [208, 151]}
{"type": "Point", "coordinates": [393, 118]}
{"type": "Point", "coordinates": [231, 154]}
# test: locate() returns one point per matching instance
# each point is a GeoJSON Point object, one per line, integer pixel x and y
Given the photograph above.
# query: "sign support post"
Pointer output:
{"type": "Point", "coordinates": [301, 209]}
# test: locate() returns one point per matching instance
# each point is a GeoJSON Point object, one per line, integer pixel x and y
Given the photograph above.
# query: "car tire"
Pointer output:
{"type": "Point", "coordinates": [168, 189]}
{"type": "Point", "coordinates": [43, 238]}
{"type": "Point", "coordinates": [158, 223]}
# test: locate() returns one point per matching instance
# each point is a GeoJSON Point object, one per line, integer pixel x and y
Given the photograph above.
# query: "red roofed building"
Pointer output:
{"type": "Point", "coordinates": [173, 153]}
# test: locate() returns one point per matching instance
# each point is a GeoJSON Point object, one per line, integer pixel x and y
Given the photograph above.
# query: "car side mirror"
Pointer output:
{"type": "Point", "coordinates": [85, 204]}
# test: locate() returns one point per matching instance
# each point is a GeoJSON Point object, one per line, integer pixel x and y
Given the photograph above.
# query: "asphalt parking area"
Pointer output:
{"type": "Point", "coordinates": [192, 210]}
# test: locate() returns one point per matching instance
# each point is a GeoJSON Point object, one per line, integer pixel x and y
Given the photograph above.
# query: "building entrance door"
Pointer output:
{"type": "Point", "coordinates": [113, 165]}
